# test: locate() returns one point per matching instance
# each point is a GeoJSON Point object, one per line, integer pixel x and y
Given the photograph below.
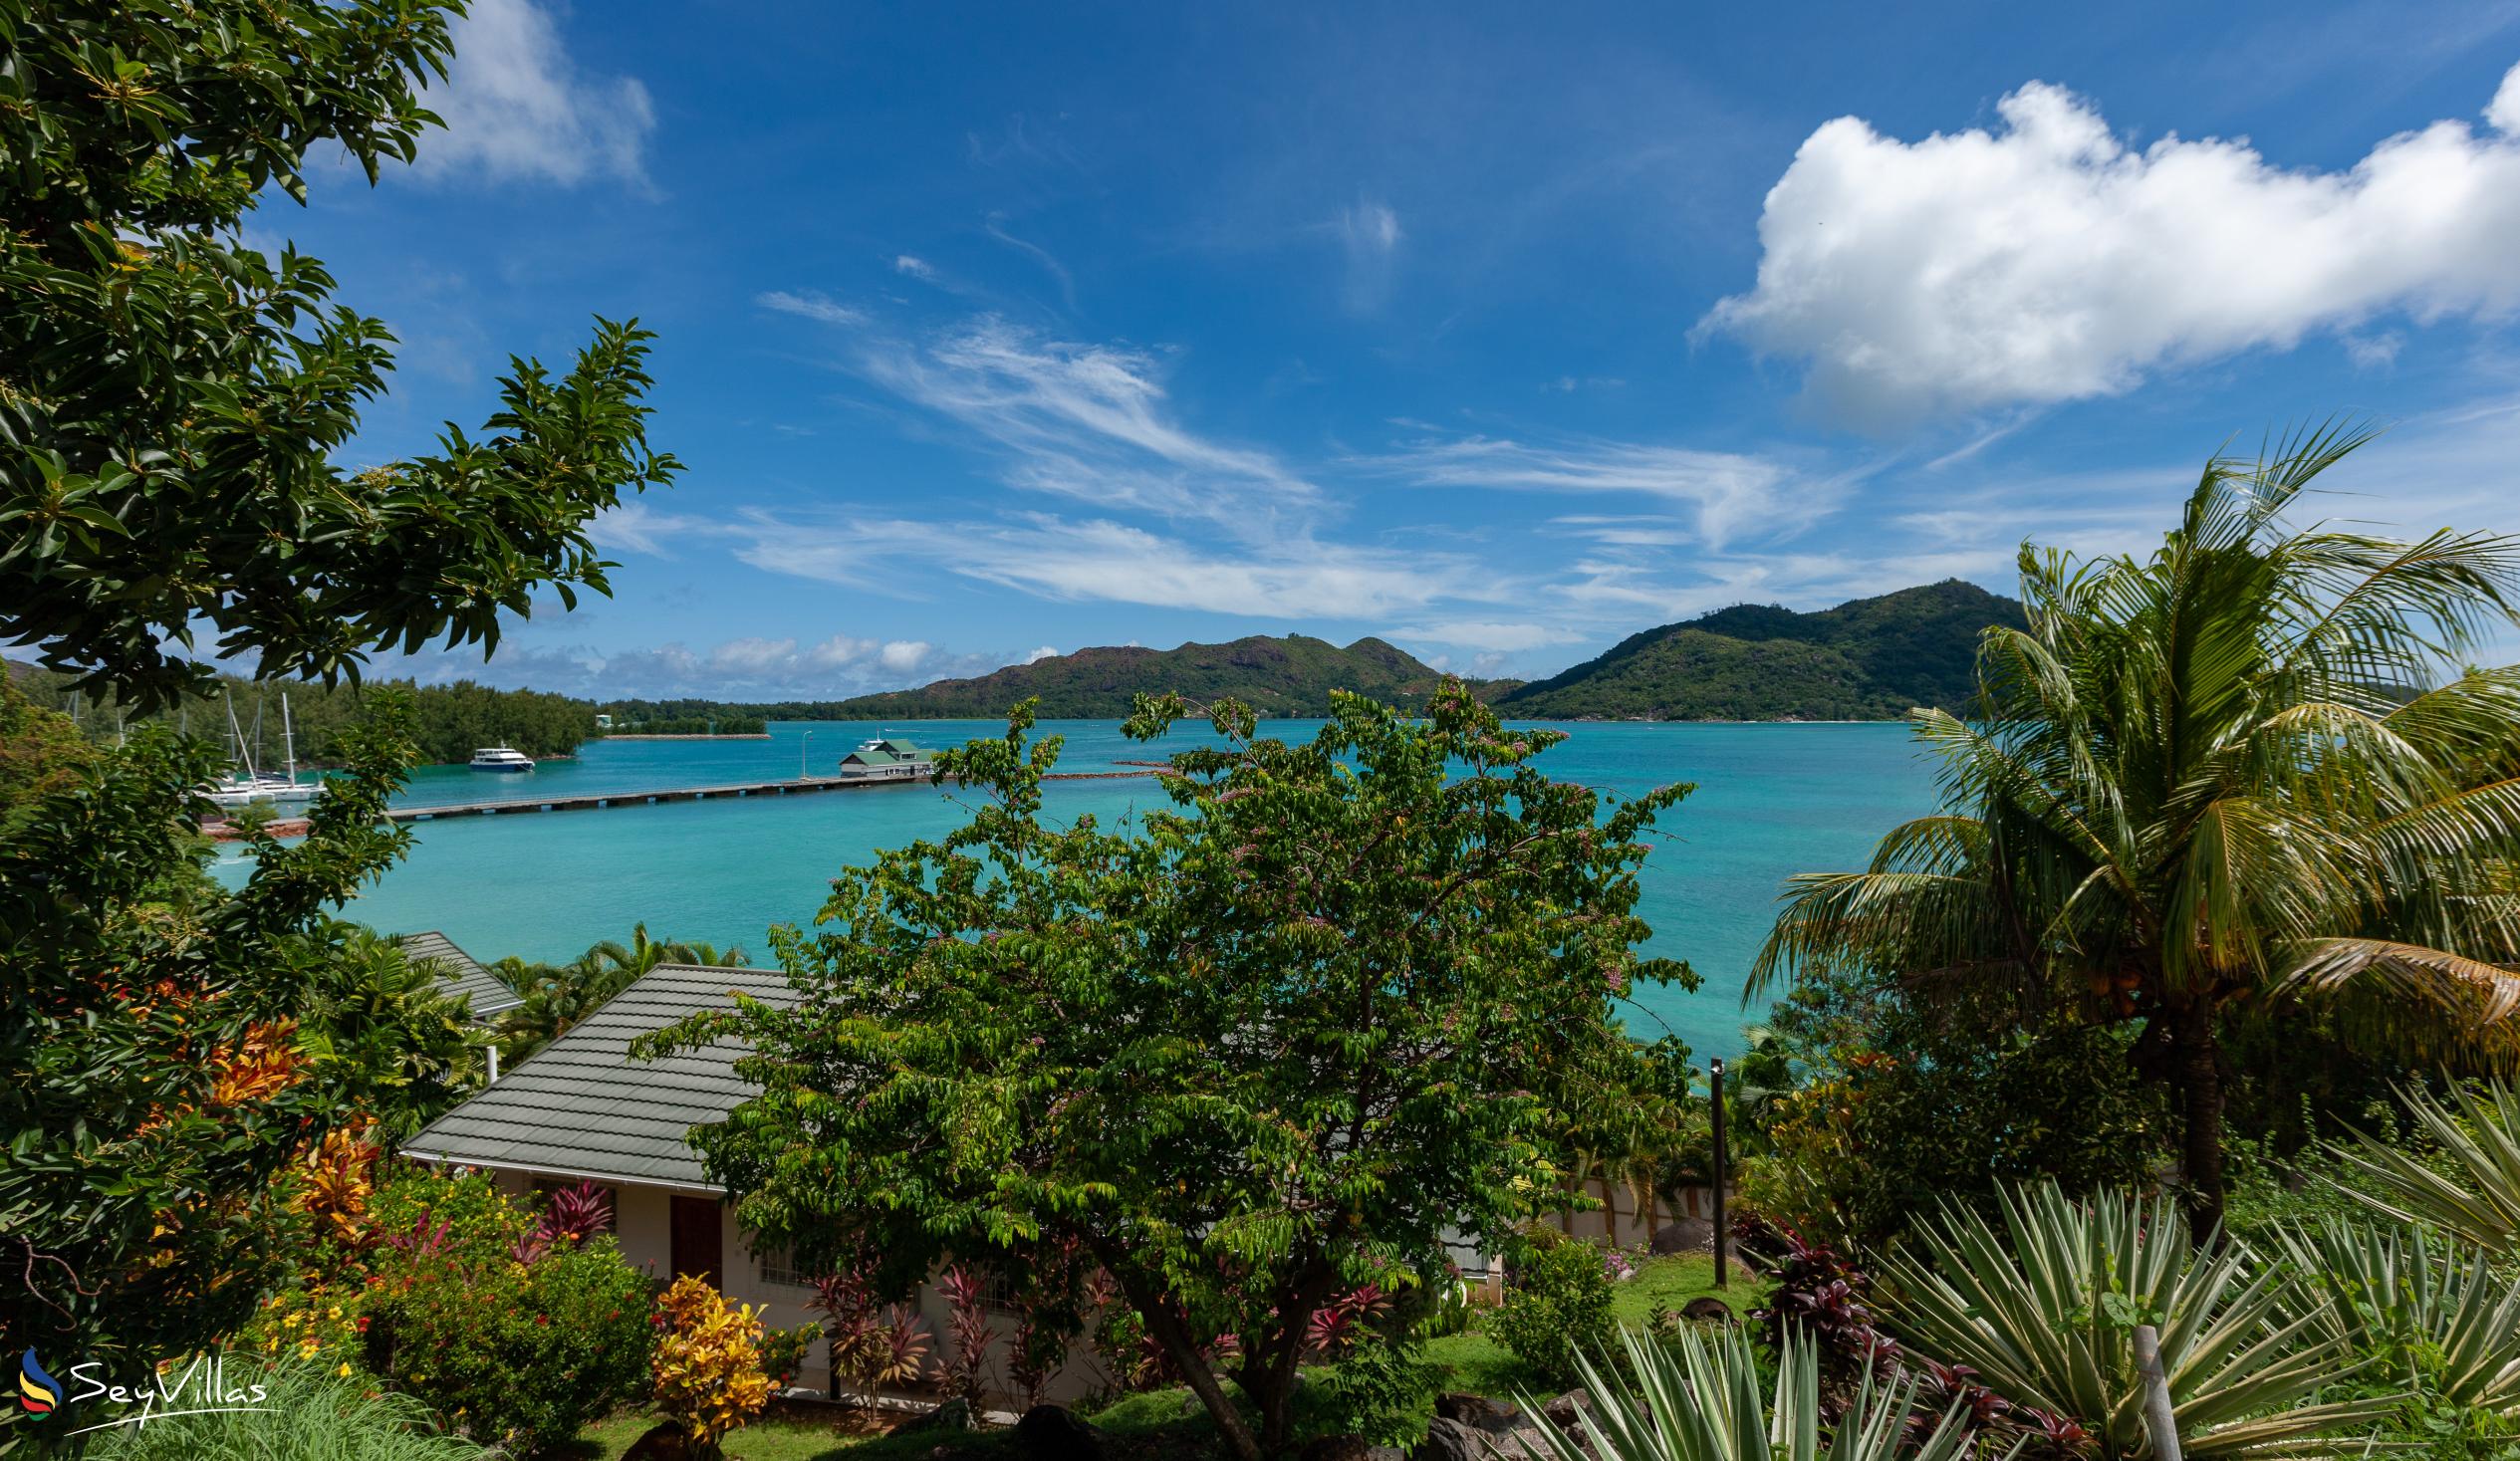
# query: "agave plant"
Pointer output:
{"type": "Point", "coordinates": [2045, 1310]}
{"type": "Point", "coordinates": [1699, 1398]}
{"type": "Point", "coordinates": [2452, 1328]}
{"type": "Point", "coordinates": [2479, 1134]}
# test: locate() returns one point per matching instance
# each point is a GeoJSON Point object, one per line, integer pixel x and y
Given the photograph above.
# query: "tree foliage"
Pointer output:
{"type": "Point", "coordinates": [2246, 770]}
{"type": "Point", "coordinates": [172, 1049]}
{"type": "Point", "coordinates": [171, 398]}
{"type": "Point", "coordinates": [1340, 1001]}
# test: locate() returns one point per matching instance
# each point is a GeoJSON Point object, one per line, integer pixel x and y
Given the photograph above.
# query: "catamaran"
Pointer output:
{"type": "Point", "coordinates": [244, 786]}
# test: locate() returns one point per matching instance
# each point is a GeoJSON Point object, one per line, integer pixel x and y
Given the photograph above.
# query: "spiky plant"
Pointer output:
{"type": "Point", "coordinates": [2045, 1307]}
{"type": "Point", "coordinates": [1701, 1398]}
{"type": "Point", "coordinates": [2438, 1324]}
{"type": "Point", "coordinates": [2479, 1134]}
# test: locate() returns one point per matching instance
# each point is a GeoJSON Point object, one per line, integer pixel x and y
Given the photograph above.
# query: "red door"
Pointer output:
{"type": "Point", "coordinates": [699, 1239]}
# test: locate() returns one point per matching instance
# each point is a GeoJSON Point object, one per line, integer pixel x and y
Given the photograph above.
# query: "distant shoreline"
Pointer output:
{"type": "Point", "coordinates": [698, 736]}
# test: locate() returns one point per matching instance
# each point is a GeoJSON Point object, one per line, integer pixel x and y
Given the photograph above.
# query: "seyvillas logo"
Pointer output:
{"type": "Point", "coordinates": [36, 1391]}
{"type": "Point", "coordinates": [197, 1389]}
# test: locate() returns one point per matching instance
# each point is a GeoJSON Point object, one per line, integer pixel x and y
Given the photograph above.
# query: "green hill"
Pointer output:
{"type": "Point", "coordinates": [1867, 660]}
{"type": "Point", "coordinates": [1293, 675]}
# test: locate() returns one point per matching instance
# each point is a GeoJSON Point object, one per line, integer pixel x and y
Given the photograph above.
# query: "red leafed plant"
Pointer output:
{"type": "Point", "coordinates": [967, 1334]}
{"type": "Point", "coordinates": [1335, 1326]}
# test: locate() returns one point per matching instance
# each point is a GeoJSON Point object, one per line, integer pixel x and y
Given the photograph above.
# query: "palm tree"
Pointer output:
{"type": "Point", "coordinates": [2241, 770]}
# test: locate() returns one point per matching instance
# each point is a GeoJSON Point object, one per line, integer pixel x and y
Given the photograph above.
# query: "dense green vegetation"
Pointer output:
{"type": "Point", "coordinates": [1868, 659]}
{"type": "Point", "coordinates": [1290, 676]}
{"type": "Point", "coordinates": [689, 725]}
{"type": "Point", "coordinates": [2248, 777]}
{"type": "Point", "coordinates": [175, 399]}
{"type": "Point", "coordinates": [1255, 1056]}
{"type": "Point", "coordinates": [446, 723]}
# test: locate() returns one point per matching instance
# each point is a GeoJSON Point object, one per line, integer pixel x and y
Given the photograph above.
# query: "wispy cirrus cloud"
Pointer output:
{"type": "Point", "coordinates": [1730, 494]}
{"type": "Point", "coordinates": [810, 305]}
{"type": "Point", "coordinates": [517, 106]}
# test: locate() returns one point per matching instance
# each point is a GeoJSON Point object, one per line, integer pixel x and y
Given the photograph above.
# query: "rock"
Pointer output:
{"type": "Point", "coordinates": [1384, 1453]}
{"type": "Point", "coordinates": [1053, 1434]}
{"type": "Point", "coordinates": [1338, 1448]}
{"type": "Point", "coordinates": [1707, 1308]}
{"type": "Point", "coordinates": [1688, 1234]}
{"type": "Point", "coordinates": [1450, 1440]}
{"type": "Point", "coordinates": [662, 1444]}
{"type": "Point", "coordinates": [954, 1414]}
{"type": "Point", "coordinates": [1478, 1412]}
{"type": "Point", "coordinates": [1567, 1412]}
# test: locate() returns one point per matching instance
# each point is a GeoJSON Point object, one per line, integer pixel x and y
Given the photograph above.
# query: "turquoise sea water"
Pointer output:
{"type": "Point", "coordinates": [1771, 799]}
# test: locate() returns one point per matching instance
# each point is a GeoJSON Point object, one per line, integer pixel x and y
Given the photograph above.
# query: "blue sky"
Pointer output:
{"type": "Point", "coordinates": [1500, 332]}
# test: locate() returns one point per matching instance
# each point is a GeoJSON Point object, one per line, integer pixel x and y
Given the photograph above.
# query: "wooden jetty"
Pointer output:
{"type": "Point", "coordinates": [788, 786]}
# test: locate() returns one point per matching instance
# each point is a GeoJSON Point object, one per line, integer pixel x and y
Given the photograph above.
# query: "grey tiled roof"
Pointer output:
{"type": "Point", "coordinates": [581, 1107]}
{"type": "Point", "coordinates": [459, 973]}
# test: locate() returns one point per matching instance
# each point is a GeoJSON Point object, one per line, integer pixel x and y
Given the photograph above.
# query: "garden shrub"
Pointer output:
{"type": "Point", "coordinates": [1560, 1305]}
{"type": "Point", "coordinates": [1383, 1391]}
{"type": "Point", "coordinates": [515, 1353]}
{"type": "Point", "coordinates": [706, 1375]}
{"type": "Point", "coordinates": [782, 1353]}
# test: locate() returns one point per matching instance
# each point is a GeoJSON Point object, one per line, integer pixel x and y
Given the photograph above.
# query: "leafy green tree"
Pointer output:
{"type": "Point", "coordinates": [171, 398]}
{"type": "Point", "coordinates": [2242, 771]}
{"type": "Point", "coordinates": [151, 1025]}
{"type": "Point", "coordinates": [384, 1033]}
{"type": "Point", "coordinates": [1341, 998]}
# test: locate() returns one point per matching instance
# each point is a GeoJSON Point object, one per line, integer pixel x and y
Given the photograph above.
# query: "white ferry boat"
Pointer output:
{"type": "Point", "coordinates": [500, 757]}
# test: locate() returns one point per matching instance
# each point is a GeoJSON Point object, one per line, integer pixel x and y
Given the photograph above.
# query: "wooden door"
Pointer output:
{"type": "Point", "coordinates": [698, 1239]}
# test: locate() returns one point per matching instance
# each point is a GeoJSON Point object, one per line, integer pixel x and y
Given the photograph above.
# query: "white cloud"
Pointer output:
{"type": "Point", "coordinates": [516, 105]}
{"type": "Point", "coordinates": [1370, 239]}
{"type": "Point", "coordinates": [838, 650]}
{"type": "Point", "coordinates": [904, 656]}
{"type": "Point", "coordinates": [810, 304]}
{"type": "Point", "coordinates": [1036, 656]}
{"type": "Point", "coordinates": [1089, 422]}
{"type": "Point", "coordinates": [2046, 261]}
{"type": "Point", "coordinates": [1486, 634]}
{"type": "Point", "coordinates": [637, 527]}
{"type": "Point", "coordinates": [1731, 493]}
{"type": "Point", "coordinates": [742, 656]}
{"type": "Point", "coordinates": [913, 265]}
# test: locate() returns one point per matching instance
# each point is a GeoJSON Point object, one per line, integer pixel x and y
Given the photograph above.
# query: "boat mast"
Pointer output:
{"type": "Point", "coordinates": [288, 738]}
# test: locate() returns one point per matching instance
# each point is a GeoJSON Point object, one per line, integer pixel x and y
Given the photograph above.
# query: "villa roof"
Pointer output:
{"type": "Point", "coordinates": [582, 1108]}
{"type": "Point", "coordinates": [460, 974]}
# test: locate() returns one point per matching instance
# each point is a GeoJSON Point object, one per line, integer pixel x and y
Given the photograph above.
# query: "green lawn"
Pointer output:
{"type": "Point", "coordinates": [1171, 1422]}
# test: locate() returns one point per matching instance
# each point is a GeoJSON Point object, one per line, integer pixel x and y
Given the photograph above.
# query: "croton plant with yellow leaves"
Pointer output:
{"type": "Point", "coordinates": [706, 1373]}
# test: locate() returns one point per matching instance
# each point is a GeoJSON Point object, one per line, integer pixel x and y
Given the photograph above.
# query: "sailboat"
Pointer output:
{"type": "Point", "coordinates": [245, 786]}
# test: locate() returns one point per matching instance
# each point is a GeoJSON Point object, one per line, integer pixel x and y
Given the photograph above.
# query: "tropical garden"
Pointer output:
{"type": "Point", "coordinates": [2178, 1037]}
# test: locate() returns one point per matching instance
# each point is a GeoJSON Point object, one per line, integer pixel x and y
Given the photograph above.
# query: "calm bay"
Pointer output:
{"type": "Point", "coordinates": [1771, 800]}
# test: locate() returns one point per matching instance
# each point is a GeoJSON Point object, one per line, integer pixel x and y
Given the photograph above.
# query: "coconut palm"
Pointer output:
{"type": "Point", "coordinates": [2240, 770]}
{"type": "Point", "coordinates": [2477, 1138]}
{"type": "Point", "coordinates": [2436, 1322]}
{"type": "Point", "coordinates": [1701, 1398]}
{"type": "Point", "coordinates": [2045, 1310]}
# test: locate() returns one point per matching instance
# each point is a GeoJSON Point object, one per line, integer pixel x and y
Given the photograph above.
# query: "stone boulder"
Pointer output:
{"type": "Point", "coordinates": [954, 1415]}
{"type": "Point", "coordinates": [1450, 1440]}
{"type": "Point", "coordinates": [1688, 1234]}
{"type": "Point", "coordinates": [1338, 1448]}
{"type": "Point", "coordinates": [666, 1442]}
{"type": "Point", "coordinates": [1707, 1308]}
{"type": "Point", "coordinates": [1054, 1433]}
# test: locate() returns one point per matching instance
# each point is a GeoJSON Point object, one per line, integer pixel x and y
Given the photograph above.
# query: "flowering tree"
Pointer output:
{"type": "Point", "coordinates": [1341, 999]}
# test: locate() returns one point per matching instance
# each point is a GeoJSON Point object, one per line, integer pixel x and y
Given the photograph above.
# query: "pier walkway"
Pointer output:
{"type": "Point", "coordinates": [789, 785]}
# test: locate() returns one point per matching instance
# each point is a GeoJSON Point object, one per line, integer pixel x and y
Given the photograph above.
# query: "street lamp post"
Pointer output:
{"type": "Point", "coordinates": [1716, 1085]}
{"type": "Point", "coordinates": [802, 747]}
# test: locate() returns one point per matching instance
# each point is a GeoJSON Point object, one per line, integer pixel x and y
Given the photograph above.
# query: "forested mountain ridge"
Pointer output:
{"type": "Point", "coordinates": [1290, 676]}
{"type": "Point", "coordinates": [1866, 660]}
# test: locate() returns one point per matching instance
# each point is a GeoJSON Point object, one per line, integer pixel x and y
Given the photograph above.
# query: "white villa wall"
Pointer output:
{"type": "Point", "coordinates": [643, 1224]}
